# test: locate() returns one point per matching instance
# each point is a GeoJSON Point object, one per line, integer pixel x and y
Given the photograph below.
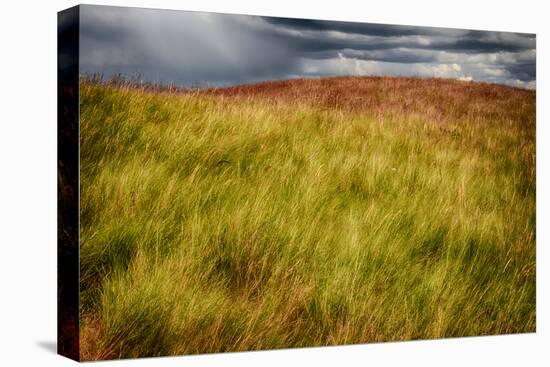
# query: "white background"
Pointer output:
{"type": "Point", "coordinates": [28, 183]}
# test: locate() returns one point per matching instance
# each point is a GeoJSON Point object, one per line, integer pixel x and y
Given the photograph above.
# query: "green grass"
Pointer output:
{"type": "Point", "coordinates": [215, 224]}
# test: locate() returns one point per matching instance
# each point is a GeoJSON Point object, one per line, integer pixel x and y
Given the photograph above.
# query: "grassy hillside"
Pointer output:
{"type": "Point", "coordinates": [304, 213]}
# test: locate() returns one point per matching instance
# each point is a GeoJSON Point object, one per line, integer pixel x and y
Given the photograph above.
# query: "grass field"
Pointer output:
{"type": "Point", "coordinates": [304, 213]}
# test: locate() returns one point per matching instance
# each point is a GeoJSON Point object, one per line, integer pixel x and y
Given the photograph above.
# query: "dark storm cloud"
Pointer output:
{"type": "Point", "coordinates": [375, 37]}
{"type": "Point", "coordinates": [384, 30]}
{"type": "Point", "coordinates": [523, 71]}
{"type": "Point", "coordinates": [217, 49]}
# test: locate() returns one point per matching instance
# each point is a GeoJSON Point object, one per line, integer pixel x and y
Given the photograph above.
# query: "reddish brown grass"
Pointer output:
{"type": "Point", "coordinates": [436, 99]}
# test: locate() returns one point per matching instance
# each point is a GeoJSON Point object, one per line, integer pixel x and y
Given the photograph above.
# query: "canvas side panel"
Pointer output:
{"type": "Point", "coordinates": [67, 183]}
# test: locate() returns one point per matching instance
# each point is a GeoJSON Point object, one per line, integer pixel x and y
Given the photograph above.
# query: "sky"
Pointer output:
{"type": "Point", "coordinates": [209, 49]}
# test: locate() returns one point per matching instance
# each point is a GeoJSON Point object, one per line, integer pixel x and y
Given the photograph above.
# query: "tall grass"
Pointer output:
{"type": "Point", "coordinates": [211, 223]}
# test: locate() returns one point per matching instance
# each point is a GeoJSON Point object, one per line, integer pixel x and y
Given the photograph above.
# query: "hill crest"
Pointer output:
{"type": "Point", "coordinates": [438, 99]}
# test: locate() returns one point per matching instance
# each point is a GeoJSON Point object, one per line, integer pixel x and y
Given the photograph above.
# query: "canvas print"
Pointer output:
{"type": "Point", "coordinates": [234, 183]}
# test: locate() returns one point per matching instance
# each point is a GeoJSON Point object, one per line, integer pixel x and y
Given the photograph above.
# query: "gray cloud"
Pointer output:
{"type": "Point", "coordinates": [385, 30]}
{"type": "Point", "coordinates": [216, 49]}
